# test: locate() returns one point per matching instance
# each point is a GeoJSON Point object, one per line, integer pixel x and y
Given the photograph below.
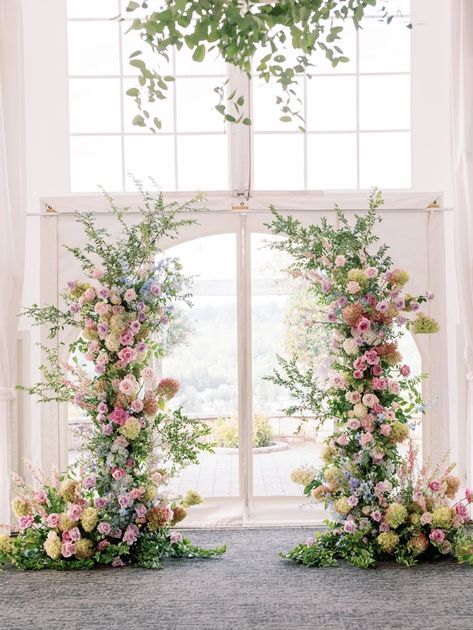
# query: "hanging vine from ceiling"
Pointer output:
{"type": "Point", "coordinates": [237, 31]}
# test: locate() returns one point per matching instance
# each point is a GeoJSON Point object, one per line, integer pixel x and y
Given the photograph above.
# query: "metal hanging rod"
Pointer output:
{"type": "Point", "coordinates": [255, 211]}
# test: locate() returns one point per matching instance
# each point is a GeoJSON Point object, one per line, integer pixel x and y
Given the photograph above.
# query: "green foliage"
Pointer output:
{"type": "Point", "coordinates": [226, 432]}
{"type": "Point", "coordinates": [237, 32]}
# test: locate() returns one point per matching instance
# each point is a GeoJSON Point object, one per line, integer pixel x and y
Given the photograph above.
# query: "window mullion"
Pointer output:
{"type": "Point", "coordinates": [239, 134]}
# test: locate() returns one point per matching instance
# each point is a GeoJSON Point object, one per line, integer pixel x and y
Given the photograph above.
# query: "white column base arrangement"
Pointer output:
{"type": "Point", "coordinates": [112, 507]}
{"type": "Point", "coordinates": [382, 506]}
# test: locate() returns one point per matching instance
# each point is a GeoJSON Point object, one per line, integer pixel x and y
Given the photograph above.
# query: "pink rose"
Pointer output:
{"type": "Point", "coordinates": [53, 520]}
{"type": "Point", "coordinates": [103, 544]}
{"type": "Point", "coordinates": [435, 485]}
{"type": "Point", "coordinates": [353, 287]}
{"type": "Point", "coordinates": [74, 511]}
{"type": "Point", "coordinates": [365, 438]}
{"type": "Point", "coordinates": [118, 473]}
{"type": "Point", "coordinates": [124, 500]}
{"type": "Point", "coordinates": [100, 502]}
{"type": "Point", "coordinates": [129, 295]}
{"type": "Point", "coordinates": [137, 405]}
{"type": "Point", "coordinates": [405, 370]}
{"type": "Point", "coordinates": [385, 429]}
{"type": "Point", "coordinates": [376, 370]}
{"type": "Point", "coordinates": [363, 325]}
{"type": "Point", "coordinates": [353, 424]}
{"type": "Point", "coordinates": [358, 374]}
{"type": "Point", "coordinates": [131, 534]}
{"type": "Point", "coordinates": [394, 387]}
{"type": "Point", "coordinates": [89, 482]}
{"type": "Point", "coordinates": [437, 536]}
{"type": "Point", "coordinates": [350, 526]}
{"type": "Point", "coordinates": [107, 429]}
{"type": "Point", "coordinates": [340, 260]}
{"type": "Point", "coordinates": [104, 528]}
{"type": "Point", "coordinates": [126, 338]}
{"type": "Point", "coordinates": [126, 386]}
{"type": "Point", "coordinates": [371, 357]}
{"type": "Point", "coordinates": [371, 272]}
{"type": "Point", "coordinates": [376, 515]}
{"type": "Point", "coordinates": [119, 415]}
{"type": "Point", "coordinates": [41, 497]}
{"type": "Point", "coordinates": [74, 534]}
{"type": "Point", "coordinates": [141, 510]}
{"type": "Point", "coordinates": [342, 439]}
{"type": "Point", "coordinates": [127, 355]}
{"type": "Point", "coordinates": [68, 549]}
{"type": "Point", "coordinates": [379, 383]}
{"type": "Point", "coordinates": [469, 495]}
{"type": "Point", "coordinates": [176, 538]}
{"type": "Point", "coordinates": [25, 521]}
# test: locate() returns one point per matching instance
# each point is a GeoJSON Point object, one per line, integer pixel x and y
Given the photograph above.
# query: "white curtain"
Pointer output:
{"type": "Point", "coordinates": [12, 226]}
{"type": "Point", "coordinates": [462, 144]}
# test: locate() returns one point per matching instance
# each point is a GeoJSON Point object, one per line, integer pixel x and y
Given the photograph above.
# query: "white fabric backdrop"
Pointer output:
{"type": "Point", "coordinates": [462, 146]}
{"type": "Point", "coordinates": [12, 225]}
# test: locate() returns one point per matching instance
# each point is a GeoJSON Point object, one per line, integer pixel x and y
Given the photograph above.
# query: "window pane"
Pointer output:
{"type": "Point", "coordinates": [267, 113]}
{"type": "Point", "coordinates": [384, 47]}
{"type": "Point", "coordinates": [92, 8]}
{"type": "Point", "coordinates": [385, 160]}
{"type": "Point", "coordinates": [279, 309]}
{"type": "Point", "coordinates": [195, 101]}
{"type": "Point", "coordinates": [385, 102]}
{"type": "Point", "coordinates": [331, 103]}
{"type": "Point", "coordinates": [206, 363]}
{"type": "Point", "coordinates": [212, 64]}
{"type": "Point", "coordinates": [331, 161]}
{"type": "Point", "coordinates": [96, 161]}
{"type": "Point", "coordinates": [94, 105]}
{"type": "Point", "coordinates": [93, 48]}
{"type": "Point", "coordinates": [150, 157]}
{"type": "Point", "coordinates": [163, 109]}
{"type": "Point", "coordinates": [347, 43]}
{"type": "Point", "coordinates": [202, 162]}
{"type": "Point", "coordinates": [131, 42]}
{"type": "Point", "coordinates": [279, 161]}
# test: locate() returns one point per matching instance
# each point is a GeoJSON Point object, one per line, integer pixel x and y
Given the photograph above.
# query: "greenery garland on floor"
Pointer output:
{"type": "Point", "coordinates": [112, 507]}
{"type": "Point", "coordinates": [382, 507]}
{"type": "Point", "coordinates": [288, 35]}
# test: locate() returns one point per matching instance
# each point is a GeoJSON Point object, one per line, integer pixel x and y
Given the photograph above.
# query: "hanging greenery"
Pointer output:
{"type": "Point", "coordinates": [288, 36]}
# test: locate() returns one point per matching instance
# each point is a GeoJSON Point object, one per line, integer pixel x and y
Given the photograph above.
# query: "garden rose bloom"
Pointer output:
{"type": "Point", "coordinates": [342, 439]}
{"type": "Point", "coordinates": [137, 405]}
{"type": "Point", "coordinates": [124, 500]}
{"type": "Point", "coordinates": [371, 357]}
{"type": "Point", "coordinates": [176, 537]}
{"type": "Point", "coordinates": [360, 410]}
{"type": "Point", "coordinates": [363, 325]}
{"type": "Point", "coordinates": [127, 386]}
{"type": "Point", "coordinates": [141, 510]}
{"type": "Point", "coordinates": [376, 516]}
{"type": "Point", "coordinates": [340, 260]}
{"type": "Point", "coordinates": [41, 497]}
{"type": "Point", "coordinates": [435, 485]}
{"type": "Point", "coordinates": [88, 482]}
{"type": "Point", "coordinates": [25, 521]}
{"type": "Point", "coordinates": [74, 534]}
{"type": "Point", "coordinates": [350, 526]}
{"type": "Point", "coordinates": [53, 519]}
{"type": "Point", "coordinates": [117, 562]}
{"type": "Point", "coordinates": [353, 424]}
{"type": "Point", "coordinates": [353, 287]}
{"type": "Point", "coordinates": [369, 400]}
{"type": "Point", "coordinates": [366, 438]}
{"type": "Point", "coordinates": [104, 528]}
{"type": "Point", "coordinates": [119, 416]}
{"type": "Point", "coordinates": [394, 387]}
{"type": "Point", "coordinates": [118, 473]}
{"type": "Point", "coordinates": [74, 510]}
{"type": "Point", "coordinates": [405, 370]}
{"type": "Point", "coordinates": [131, 534]}
{"type": "Point", "coordinates": [385, 429]}
{"type": "Point", "coordinates": [376, 370]}
{"type": "Point", "coordinates": [437, 536]}
{"type": "Point", "coordinates": [469, 495]}
{"type": "Point", "coordinates": [379, 383]}
{"type": "Point", "coordinates": [100, 502]}
{"type": "Point", "coordinates": [126, 338]}
{"type": "Point", "coordinates": [129, 295]}
{"type": "Point", "coordinates": [68, 549]}
{"type": "Point", "coordinates": [371, 272]}
{"type": "Point", "coordinates": [127, 355]}
{"type": "Point", "coordinates": [107, 429]}
{"type": "Point", "coordinates": [103, 544]}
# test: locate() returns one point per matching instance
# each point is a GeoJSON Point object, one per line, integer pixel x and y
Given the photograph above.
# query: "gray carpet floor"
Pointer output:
{"type": "Point", "coordinates": [249, 588]}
